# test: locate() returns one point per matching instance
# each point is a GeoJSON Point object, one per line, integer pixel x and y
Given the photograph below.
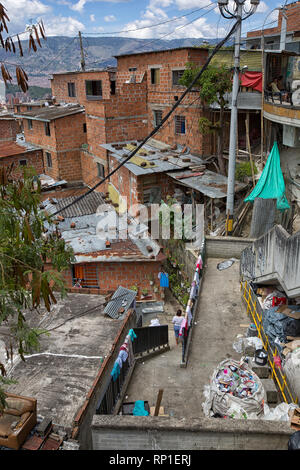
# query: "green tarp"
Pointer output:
{"type": "Point", "coordinates": [271, 183]}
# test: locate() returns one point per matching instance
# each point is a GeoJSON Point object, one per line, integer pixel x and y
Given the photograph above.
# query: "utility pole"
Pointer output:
{"type": "Point", "coordinates": [237, 13]}
{"type": "Point", "coordinates": [81, 51]}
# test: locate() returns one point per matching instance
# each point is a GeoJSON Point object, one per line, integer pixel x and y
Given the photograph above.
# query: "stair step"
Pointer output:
{"type": "Point", "coordinates": [271, 390]}
{"type": "Point", "coordinates": [262, 372]}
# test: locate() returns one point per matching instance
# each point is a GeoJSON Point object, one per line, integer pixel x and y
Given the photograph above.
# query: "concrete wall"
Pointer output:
{"type": "Point", "coordinates": [82, 421]}
{"type": "Point", "coordinates": [156, 433]}
{"type": "Point", "coordinates": [274, 257]}
{"type": "Point", "coordinates": [226, 247]}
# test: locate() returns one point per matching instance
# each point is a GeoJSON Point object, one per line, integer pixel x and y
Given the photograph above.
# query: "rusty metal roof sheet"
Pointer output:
{"type": "Point", "coordinates": [9, 149]}
{"type": "Point", "coordinates": [50, 113]}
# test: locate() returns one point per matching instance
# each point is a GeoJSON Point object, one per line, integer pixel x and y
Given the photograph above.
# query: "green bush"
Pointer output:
{"type": "Point", "coordinates": [244, 169]}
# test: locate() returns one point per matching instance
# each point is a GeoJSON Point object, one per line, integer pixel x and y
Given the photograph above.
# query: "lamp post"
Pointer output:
{"type": "Point", "coordinates": [238, 11]}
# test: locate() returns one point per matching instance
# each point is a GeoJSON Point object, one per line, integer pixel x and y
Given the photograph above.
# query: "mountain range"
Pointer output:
{"type": "Point", "coordinates": [61, 53]}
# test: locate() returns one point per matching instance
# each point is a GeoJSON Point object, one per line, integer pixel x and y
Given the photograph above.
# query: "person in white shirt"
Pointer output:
{"type": "Point", "coordinates": [177, 319]}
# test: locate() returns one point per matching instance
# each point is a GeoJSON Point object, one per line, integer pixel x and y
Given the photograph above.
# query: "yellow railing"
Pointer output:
{"type": "Point", "coordinates": [254, 310]}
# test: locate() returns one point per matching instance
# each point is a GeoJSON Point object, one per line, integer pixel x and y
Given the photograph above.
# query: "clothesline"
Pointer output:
{"type": "Point", "coordinates": [125, 352]}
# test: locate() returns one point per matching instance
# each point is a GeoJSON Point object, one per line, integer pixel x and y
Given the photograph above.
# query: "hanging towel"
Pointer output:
{"type": "Point", "coordinates": [139, 409]}
{"type": "Point", "coordinates": [164, 280]}
{"type": "Point", "coordinates": [199, 263]}
{"type": "Point", "coordinates": [183, 328]}
{"type": "Point", "coordinates": [119, 361]}
{"type": "Point", "coordinates": [132, 335]}
{"type": "Point", "coordinates": [116, 371]}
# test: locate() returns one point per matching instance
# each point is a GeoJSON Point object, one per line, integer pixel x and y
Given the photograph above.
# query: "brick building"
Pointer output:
{"type": "Point", "coordinates": [20, 155]}
{"type": "Point", "coordinates": [9, 127]}
{"type": "Point", "coordinates": [272, 35]}
{"type": "Point", "coordinates": [106, 255]}
{"type": "Point", "coordinates": [59, 131]}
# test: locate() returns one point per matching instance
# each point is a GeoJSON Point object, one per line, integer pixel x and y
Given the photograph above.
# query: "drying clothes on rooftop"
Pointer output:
{"type": "Point", "coordinates": [123, 355]}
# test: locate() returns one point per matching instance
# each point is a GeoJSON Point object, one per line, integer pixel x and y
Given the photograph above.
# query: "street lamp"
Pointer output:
{"type": "Point", "coordinates": [235, 10]}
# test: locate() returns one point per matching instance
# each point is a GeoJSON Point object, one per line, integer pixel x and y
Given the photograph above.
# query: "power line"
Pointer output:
{"type": "Point", "coordinates": [156, 129]}
{"type": "Point", "coordinates": [153, 25]}
{"type": "Point", "coordinates": [136, 50]}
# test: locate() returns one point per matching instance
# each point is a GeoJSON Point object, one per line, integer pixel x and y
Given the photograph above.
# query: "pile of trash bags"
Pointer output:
{"type": "Point", "coordinates": [234, 391]}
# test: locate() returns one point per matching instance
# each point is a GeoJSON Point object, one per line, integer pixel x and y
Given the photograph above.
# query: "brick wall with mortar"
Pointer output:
{"type": "Point", "coordinates": [293, 21]}
{"type": "Point", "coordinates": [64, 144]}
{"type": "Point", "coordinates": [126, 274]}
{"type": "Point", "coordinates": [9, 128]}
{"type": "Point", "coordinates": [59, 86]}
{"type": "Point", "coordinates": [34, 159]}
{"type": "Point", "coordinates": [161, 96]}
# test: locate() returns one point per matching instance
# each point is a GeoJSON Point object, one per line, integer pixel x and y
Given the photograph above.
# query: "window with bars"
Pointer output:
{"type": "Point", "coordinates": [176, 76]}
{"type": "Point", "coordinates": [179, 124]}
{"type": "Point", "coordinates": [23, 162]}
{"type": "Point", "coordinates": [71, 89]}
{"type": "Point", "coordinates": [29, 123]}
{"type": "Point", "coordinates": [93, 89]}
{"type": "Point", "coordinates": [157, 117]}
{"type": "Point", "coordinates": [155, 76]}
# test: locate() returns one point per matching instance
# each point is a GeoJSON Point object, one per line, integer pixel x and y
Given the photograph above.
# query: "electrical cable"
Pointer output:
{"type": "Point", "coordinates": [154, 25]}
{"type": "Point", "coordinates": [156, 129]}
{"type": "Point", "coordinates": [136, 50]}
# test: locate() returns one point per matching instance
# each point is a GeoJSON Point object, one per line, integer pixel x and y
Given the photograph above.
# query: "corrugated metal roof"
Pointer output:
{"type": "Point", "coordinates": [122, 299]}
{"type": "Point", "coordinates": [249, 57]}
{"type": "Point", "coordinates": [85, 206]}
{"type": "Point", "coordinates": [9, 149]}
{"type": "Point", "coordinates": [213, 185]}
{"type": "Point", "coordinates": [50, 113]}
{"type": "Point", "coordinates": [164, 158]}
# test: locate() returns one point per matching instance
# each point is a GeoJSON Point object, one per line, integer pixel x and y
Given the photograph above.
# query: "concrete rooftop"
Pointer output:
{"type": "Point", "coordinates": [61, 374]}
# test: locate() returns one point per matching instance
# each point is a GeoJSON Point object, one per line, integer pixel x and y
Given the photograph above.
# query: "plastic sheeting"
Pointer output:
{"type": "Point", "coordinates": [271, 183]}
{"type": "Point", "coordinates": [291, 369]}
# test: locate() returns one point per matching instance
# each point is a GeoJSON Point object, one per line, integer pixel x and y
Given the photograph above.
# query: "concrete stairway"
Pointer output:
{"type": "Point", "coordinates": [274, 257]}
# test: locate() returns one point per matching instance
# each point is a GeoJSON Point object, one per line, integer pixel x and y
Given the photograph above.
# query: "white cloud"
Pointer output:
{"type": "Point", "coordinates": [62, 26]}
{"type": "Point", "coordinates": [22, 11]}
{"type": "Point", "coordinates": [79, 6]}
{"type": "Point", "coordinates": [109, 18]}
{"type": "Point", "coordinates": [92, 18]}
{"type": "Point", "coordinates": [188, 4]}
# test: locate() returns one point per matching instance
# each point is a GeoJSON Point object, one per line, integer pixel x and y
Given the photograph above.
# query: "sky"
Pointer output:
{"type": "Point", "coordinates": [181, 18]}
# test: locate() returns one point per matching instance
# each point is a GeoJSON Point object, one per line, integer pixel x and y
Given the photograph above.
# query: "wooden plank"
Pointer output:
{"type": "Point", "coordinates": [158, 402]}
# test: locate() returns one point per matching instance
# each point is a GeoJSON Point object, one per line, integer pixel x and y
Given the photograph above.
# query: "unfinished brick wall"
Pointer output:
{"type": "Point", "coordinates": [292, 24]}
{"type": "Point", "coordinates": [125, 274]}
{"type": "Point", "coordinates": [33, 159]}
{"type": "Point", "coordinates": [59, 85]}
{"type": "Point", "coordinates": [9, 128]}
{"type": "Point", "coordinates": [64, 145]}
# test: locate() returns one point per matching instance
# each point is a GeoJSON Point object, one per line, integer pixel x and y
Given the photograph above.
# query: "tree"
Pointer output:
{"type": "Point", "coordinates": [8, 43]}
{"type": "Point", "coordinates": [28, 240]}
{"type": "Point", "coordinates": [213, 85]}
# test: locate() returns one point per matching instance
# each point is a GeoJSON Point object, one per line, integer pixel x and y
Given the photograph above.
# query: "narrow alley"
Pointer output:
{"type": "Point", "coordinates": [217, 322]}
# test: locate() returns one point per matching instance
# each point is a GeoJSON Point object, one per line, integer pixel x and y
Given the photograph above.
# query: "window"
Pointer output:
{"type": "Point", "coordinates": [113, 87]}
{"type": "Point", "coordinates": [23, 162]}
{"type": "Point", "coordinates": [84, 127]}
{"type": "Point", "coordinates": [93, 89]}
{"type": "Point", "coordinates": [157, 117]}
{"type": "Point", "coordinates": [71, 89]}
{"type": "Point", "coordinates": [29, 122]}
{"type": "Point", "coordinates": [100, 170]}
{"type": "Point", "coordinates": [49, 160]}
{"type": "Point", "coordinates": [29, 108]}
{"type": "Point", "coordinates": [47, 128]}
{"type": "Point", "coordinates": [176, 76]}
{"type": "Point", "coordinates": [155, 76]}
{"type": "Point", "coordinates": [18, 109]}
{"type": "Point", "coordinates": [179, 124]}
{"type": "Point", "coordinates": [152, 196]}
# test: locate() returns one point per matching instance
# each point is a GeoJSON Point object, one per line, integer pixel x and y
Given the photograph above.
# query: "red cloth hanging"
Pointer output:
{"type": "Point", "coordinates": [252, 80]}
